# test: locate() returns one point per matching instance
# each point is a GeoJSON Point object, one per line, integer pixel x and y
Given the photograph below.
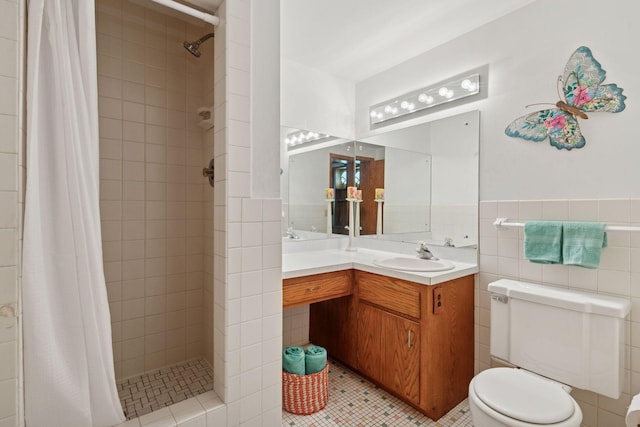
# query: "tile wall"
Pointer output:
{"type": "Point", "coordinates": [12, 167]}
{"type": "Point", "coordinates": [295, 326]}
{"type": "Point", "coordinates": [153, 196]}
{"type": "Point", "coordinates": [618, 275]}
{"type": "Point", "coordinates": [248, 250]}
{"type": "Point", "coordinates": [458, 222]}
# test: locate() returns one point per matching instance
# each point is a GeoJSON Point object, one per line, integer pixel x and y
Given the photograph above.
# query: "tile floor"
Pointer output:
{"type": "Point", "coordinates": [354, 401]}
{"type": "Point", "coordinates": [143, 394]}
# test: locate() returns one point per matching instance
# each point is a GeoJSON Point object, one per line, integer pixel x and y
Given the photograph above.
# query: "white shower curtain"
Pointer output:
{"type": "Point", "coordinates": [68, 359]}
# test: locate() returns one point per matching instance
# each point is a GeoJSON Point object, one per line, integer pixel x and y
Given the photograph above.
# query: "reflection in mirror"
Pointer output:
{"type": "Point", "coordinates": [431, 181]}
{"type": "Point", "coordinates": [310, 172]}
{"type": "Point", "coordinates": [429, 173]}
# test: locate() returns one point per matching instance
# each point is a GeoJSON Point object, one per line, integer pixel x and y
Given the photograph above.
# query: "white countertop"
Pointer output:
{"type": "Point", "coordinates": [306, 263]}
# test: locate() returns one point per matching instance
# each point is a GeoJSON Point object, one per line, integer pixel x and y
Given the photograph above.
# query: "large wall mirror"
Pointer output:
{"type": "Point", "coordinates": [429, 173]}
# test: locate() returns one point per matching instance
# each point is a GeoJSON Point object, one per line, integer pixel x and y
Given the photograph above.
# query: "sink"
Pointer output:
{"type": "Point", "coordinates": [413, 264]}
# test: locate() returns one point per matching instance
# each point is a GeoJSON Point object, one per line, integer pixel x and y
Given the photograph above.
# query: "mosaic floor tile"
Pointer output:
{"type": "Point", "coordinates": [154, 390]}
{"type": "Point", "coordinates": [354, 401]}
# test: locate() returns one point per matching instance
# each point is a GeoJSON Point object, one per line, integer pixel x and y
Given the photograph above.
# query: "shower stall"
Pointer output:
{"type": "Point", "coordinates": [156, 208]}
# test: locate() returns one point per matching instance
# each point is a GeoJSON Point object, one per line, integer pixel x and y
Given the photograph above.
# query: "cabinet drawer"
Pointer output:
{"type": "Point", "coordinates": [319, 287]}
{"type": "Point", "coordinates": [390, 293]}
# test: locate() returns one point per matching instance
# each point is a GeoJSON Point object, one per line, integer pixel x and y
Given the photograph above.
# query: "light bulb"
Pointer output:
{"type": "Point", "coordinates": [429, 99]}
{"type": "Point", "coordinates": [466, 83]}
{"type": "Point", "coordinates": [411, 106]}
{"type": "Point", "coordinates": [388, 109]}
{"type": "Point", "coordinates": [443, 91]}
{"type": "Point", "coordinates": [449, 94]}
{"type": "Point", "coordinates": [404, 105]}
{"type": "Point", "coordinates": [423, 97]}
{"type": "Point", "coordinates": [394, 111]}
{"type": "Point", "coordinates": [373, 114]}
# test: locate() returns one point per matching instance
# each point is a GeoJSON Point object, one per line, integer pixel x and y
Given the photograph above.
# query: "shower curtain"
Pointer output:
{"type": "Point", "coordinates": [68, 359]}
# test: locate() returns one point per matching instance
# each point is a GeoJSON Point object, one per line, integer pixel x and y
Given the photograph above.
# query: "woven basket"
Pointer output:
{"type": "Point", "coordinates": [305, 394]}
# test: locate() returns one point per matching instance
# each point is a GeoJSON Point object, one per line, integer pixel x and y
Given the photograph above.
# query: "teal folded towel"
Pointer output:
{"type": "Point", "coordinates": [543, 242]}
{"type": "Point", "coordinates": [582, 243]}
{"type": "Point", "coordinates": [293, 360]}
{"type": "Point", "coordinates": [315, 359]}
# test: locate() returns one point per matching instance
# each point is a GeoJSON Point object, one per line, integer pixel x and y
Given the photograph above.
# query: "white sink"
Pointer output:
{"type": "Point", "coordinates": [413, 264]}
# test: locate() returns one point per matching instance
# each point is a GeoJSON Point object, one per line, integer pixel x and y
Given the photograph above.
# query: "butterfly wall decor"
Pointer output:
{"type": "Point", "coordinates": [583, 93]}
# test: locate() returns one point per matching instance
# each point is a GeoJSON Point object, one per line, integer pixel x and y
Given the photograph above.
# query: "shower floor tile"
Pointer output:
{"type": "Point", "coordinates": [354, 401]}
{"type": "Point", "coordinates": [154, 390]}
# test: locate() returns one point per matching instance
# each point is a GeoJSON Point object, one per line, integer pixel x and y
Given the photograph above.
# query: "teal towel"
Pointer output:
{"type": "Point", "coordinates": [315, 359]}
{"type": "Point", "coordinates": [293, 360]}
{"type": "Point", "coordinates": [543, 242]}
{"type": "Point", "coordinates": [582, 243]}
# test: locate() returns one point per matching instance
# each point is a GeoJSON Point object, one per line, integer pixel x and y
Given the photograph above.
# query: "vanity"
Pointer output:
{"type": "Point", "coordinates": [410, 333]}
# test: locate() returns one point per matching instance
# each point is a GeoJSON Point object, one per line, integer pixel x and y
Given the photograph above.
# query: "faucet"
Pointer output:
{"type": "Point", "coordinates": [448, 241]}
{"type": "Point", "coordinates": [424, 252]}
{"type": "Point", "coordinates": [292, 234]}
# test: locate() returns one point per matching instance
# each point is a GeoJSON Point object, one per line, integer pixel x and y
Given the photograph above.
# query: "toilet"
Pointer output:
{"type": "Point", "coordinates": [556, 339]}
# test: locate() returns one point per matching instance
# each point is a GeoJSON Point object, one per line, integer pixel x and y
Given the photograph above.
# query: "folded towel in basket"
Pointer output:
{"type": "Point", "coordinates": [315, 359]}
{"type": "Point", "coordinates": [293, 360]}
{"type": "Point", "coordinates": [543, 242]}
{"type": "Point", "coordinates": [582, 243]}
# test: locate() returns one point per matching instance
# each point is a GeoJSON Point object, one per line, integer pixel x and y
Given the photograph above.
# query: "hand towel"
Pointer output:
{"type": "Point", "coordinates": [543, 242]}
{"type": "Point", "coordinates": [315, 359]}
{"type": "Point", "coordinates": [293, 360]}
{"type": "Point", "coordinates": [582, 243]}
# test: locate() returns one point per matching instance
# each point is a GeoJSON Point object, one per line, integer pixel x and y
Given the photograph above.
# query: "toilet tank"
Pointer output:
{"type": "Point", "coordinates": [572, 337]}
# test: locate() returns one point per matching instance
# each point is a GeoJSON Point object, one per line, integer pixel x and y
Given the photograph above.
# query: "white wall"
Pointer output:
{"type": "Point", "coordinates": [525, 52]}
{"type": "Point", "coordinates": [523, 68]}
{"type": "Point", "coordinates": [314, 100]}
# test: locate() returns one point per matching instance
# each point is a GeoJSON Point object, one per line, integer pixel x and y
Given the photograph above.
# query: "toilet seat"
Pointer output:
{"type": "Point", "coordinates": [520, 395]}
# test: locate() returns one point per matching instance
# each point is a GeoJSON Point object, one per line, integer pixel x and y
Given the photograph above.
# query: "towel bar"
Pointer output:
{"type": "Point", "coordinates": [504, 222]}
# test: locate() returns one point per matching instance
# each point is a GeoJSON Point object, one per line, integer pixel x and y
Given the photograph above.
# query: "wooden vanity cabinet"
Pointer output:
{"type": "Point", "coordinates": [413, 340]}
{"type": "Point", "coordinates": [317, 287]}
{"type": "Point", "coordinates": [389, 351]}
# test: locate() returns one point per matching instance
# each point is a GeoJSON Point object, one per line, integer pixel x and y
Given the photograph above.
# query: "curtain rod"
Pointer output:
{"type": "Point", "coordinates": [206, 17]}
{"type": "Point", "coordinates": [504, 222]}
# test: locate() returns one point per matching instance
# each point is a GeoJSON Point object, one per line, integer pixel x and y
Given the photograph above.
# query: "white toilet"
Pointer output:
{"type": "Point", "coordinates": [558, 339]}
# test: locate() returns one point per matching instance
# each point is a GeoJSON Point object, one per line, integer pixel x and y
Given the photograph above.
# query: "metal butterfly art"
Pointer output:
{"type": "Point", "coordinates": [583, 93]}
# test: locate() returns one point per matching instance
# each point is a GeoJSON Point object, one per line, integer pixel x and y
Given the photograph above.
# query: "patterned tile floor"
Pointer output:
{"type": "Point", "coordinates": [354, 401]}
{"type": "Point", "coordinates": [154, 390]}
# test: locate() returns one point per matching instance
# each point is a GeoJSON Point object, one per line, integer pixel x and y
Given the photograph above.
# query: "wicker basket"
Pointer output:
{"type": "Point", "coordinates": [305, 394]}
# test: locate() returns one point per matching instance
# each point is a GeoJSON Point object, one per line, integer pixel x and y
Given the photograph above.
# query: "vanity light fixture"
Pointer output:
{"type": "Point", "coordinates": [304, 137]}
{"type": "Point", "coordinates": [427, 97]}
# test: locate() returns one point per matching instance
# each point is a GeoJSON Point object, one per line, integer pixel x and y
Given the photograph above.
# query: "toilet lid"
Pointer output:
{"type": "Point", "coordinates": [520, 395]}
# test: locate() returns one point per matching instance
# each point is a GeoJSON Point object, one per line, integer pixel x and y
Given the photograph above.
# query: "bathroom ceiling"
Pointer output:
{"type": "Point", "coordinates": [355, 39]}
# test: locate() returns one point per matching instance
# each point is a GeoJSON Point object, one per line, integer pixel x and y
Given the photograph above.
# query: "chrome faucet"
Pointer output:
{"type": "Point", "coordinates": [424, 252]}
{"type": "Point", "coordinates": [448, 241]}
{"type": "Point", "coordinates": [292, 234]}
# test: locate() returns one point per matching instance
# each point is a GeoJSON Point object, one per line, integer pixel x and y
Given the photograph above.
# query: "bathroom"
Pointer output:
{"type": "Point", "coordinates": [519, 180]}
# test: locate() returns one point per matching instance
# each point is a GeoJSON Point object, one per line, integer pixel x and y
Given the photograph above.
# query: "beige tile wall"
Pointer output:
{"type": "Point", "coordinates": [152, 190]}
{"type": "Point", "coordinates": [618, 274]}
{"type": "Point", "coordinates": [12, 44]}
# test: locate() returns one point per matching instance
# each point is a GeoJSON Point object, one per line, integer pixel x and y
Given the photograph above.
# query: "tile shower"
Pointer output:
{"type": "Point", "coordinates": [156, 208]}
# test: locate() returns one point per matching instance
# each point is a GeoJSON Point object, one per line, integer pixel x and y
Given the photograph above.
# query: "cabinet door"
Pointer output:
{"type": "Point", "coordinates": [389, 351]}
{"type": "Point", "coordinates": [401, 357]}
{"type": "Point", "coordinates": [370, 326]}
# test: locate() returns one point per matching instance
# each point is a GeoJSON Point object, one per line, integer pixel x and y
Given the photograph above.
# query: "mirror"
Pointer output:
{"type": "Point", "coordinates": [429, 173]}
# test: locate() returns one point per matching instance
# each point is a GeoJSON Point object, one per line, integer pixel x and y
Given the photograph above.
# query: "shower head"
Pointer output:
{"type": "Point", "coordinates": [192, 47]}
